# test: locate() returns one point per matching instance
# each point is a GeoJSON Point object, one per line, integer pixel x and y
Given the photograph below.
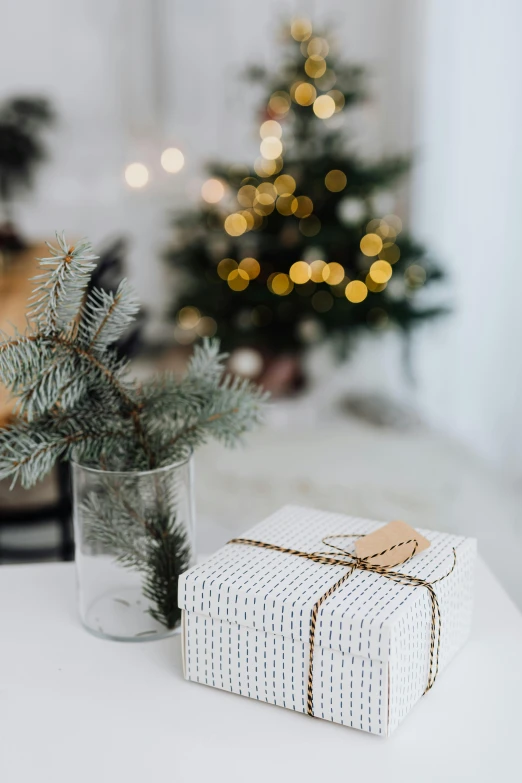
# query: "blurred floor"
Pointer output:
{"type": "Point", "coordinates": [336, 462]}
{"type": "Point", "coordinates": [342, 464]}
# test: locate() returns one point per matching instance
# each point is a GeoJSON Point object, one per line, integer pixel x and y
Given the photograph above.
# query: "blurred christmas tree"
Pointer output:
{"type": "Point", "coordinates": [300, 247]}
{"type": "Point", "coordinates": [22, 120]}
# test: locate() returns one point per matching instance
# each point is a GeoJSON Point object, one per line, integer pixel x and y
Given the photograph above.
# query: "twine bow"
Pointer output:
{"type": "Point", "coordinates": [345, 558]}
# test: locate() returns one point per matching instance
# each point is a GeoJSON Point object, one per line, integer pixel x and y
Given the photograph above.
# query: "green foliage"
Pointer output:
{"type": "Point", "coordinates": [312, 147]}
{"type": "Point", "coordinates": [73, 393]}
{"type": "Point", "coordinates": [75, 400]}
{"type": "Point", "coordinates": [136, 521]}
{"type": "Point", "coordinates": [22, 120]}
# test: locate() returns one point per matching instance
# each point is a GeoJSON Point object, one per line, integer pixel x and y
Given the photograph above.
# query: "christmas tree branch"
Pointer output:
{"type": "Point", "coordinates": [188, 430]}
{"type": "Point", "coordinates": [75, 401]}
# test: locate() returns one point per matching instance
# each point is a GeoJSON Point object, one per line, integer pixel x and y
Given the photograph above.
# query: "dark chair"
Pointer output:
{"type": "Point", "coordinates": [47, 503]}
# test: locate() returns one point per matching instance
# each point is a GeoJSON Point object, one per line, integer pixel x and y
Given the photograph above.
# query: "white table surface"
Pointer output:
{"type": "Point", "coordinates": [77, 708]}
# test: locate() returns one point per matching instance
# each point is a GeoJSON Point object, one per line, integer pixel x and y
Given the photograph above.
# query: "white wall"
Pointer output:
{"type": "Point", "coordinates": [467, 205]}
{"type": "Point", "coordinates": [130, 77]}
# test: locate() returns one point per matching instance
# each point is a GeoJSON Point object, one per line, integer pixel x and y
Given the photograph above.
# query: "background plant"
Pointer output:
{"type": "Point", "coordinates": [22, 121]}
{"type": "Point", "coordinates": [75, 399]}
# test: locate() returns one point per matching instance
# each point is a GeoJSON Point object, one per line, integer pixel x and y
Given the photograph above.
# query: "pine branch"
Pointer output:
{"type": "Point", "coordinates": [144, 537]}
{"type": "Point", "coordinates": [106, 316]}
{"type": "Point", "coordinates": [207, 363]}
{"type": "Point", "coordinates": [74, 400]}
{"type": "Point", "coordinates": [20, 357]}
{"type": "Point", "coordinates": [58, 297]}
{"type": "Point", "coordinates": [53, 369]}
{"type": "Point", "coordinates": [29, 452]}
{"type": "Point", "coordinates": [206, 404]}
{"type": "Point", "coordinates": [168, 556]}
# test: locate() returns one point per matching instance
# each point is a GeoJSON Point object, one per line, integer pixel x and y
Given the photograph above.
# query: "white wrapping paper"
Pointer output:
{"type": "Point", "coordinates": [247, 616]}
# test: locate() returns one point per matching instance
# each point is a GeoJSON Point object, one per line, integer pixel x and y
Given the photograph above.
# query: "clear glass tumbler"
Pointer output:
{"type": "Point", "coordinates": [134, 534]}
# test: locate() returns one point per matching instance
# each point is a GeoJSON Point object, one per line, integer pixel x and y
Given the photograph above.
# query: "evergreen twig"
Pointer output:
{"type": "Point", "coordinates": [75, 400]}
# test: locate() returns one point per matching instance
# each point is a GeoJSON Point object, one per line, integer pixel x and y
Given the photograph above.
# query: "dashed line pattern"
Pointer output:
{"type": "Point", "coordinates": [248, 622]}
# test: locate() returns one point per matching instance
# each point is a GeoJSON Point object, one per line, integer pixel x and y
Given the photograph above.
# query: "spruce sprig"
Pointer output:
{"type": "Point", "coordinates": [74, 399]}
{"type": "Point", "coordinates": [74, 395]}
{"type": "Point", "coordinates": [142, 534]}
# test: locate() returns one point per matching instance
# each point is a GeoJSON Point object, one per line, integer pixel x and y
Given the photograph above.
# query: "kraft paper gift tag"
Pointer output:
{"type": "Point", "coordinates": [392, 537]}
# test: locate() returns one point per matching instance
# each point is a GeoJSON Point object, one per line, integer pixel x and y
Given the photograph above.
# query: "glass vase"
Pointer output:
{"type": "Point", "coordinates": [134, 535]}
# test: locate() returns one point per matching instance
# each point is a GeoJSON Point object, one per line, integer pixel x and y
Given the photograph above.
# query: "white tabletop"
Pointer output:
{"type": "Point", "coordinates": [77, 708]}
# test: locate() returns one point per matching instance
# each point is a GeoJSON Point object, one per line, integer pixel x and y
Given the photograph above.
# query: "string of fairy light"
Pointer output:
{"type": "Point", "coordinates": [257, 198]}
{"type": "Point", "coordinates": [260, 199]}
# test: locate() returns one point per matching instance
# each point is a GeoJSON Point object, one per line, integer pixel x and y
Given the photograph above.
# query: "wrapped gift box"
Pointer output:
{"type": "Point", "coordinates": [377, 644]}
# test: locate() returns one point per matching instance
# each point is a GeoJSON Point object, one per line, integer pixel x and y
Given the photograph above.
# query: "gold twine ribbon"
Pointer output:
{"type": "Point", "coordinates": [364, 564]}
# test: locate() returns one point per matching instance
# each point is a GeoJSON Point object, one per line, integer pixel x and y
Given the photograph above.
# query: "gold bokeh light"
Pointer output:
{"type": "Point", "coordinates": [304, 208]}
{"type": "Point", "coordinates": [300, 272]}
{"type": "Point", "coordinates": [235, 224]}
{"type": "Point", "coordinates": [280, 284]}
{"type": "Point", "coordinates": [188, 317]}
{"type": "Point", "coordinates": [315, 66]}
{"type": "Point", "coordinates": [206, 327]}
{"type": "Point", "coordinates": [279, 103]}
{"type": "Point", "coordinates": [270, 128]}
{"type": "Point", "coordinates": [374, 287]}
{"type": "Point", "coordinates": [238, 280]}
{"type": "Point", "coordinates": [271, 147]}
{"type": "Point", "coordinates": [251, 267]}
{"type": "Point", "coordinates": [286, 205]}
{"type": "Point", "coordinates": [317, 268]}
{"type": "Point", "coordinates": [172, 160]}
{"type": "Point", "coordinates": [301, 29]}
{"type": "Point", "coordinates": [356, 291]}
{"type": "Point", "coordinates": [246, 195]}
{"type": "Point", "coordinates": [371, 244]}
{"type": "Point", "coordinates": [324, 107]}
{"type": "Point", "coordinates": [266, 193]}
{"type": "Point", "coordinates": [335, 180]}
{"type": "Point", "coordinates": [212, 191]}
{"type": "Point", "coordinates": [225, 267]}
{"type": "Point", "coordinates": [285, 185]}
{"type": "Point", "coordinates": [304, 94]}
{"type": "Point", "coordinates": [249, 217]}
{"type": "Point", "coordinates": [264, 168]}
{"type": "Point", "coordinates": [333, 273]}
{"type": "Point", "coordinates": [265, 206]}
{"type": "Point", "coordinates": [318, 46]}
{"type": "Point", "coordinates": [380, 272]}
{"type": "Point", "coordinates": [136, 175]}
{"type": "Point", "coordinates": [386, 230]}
